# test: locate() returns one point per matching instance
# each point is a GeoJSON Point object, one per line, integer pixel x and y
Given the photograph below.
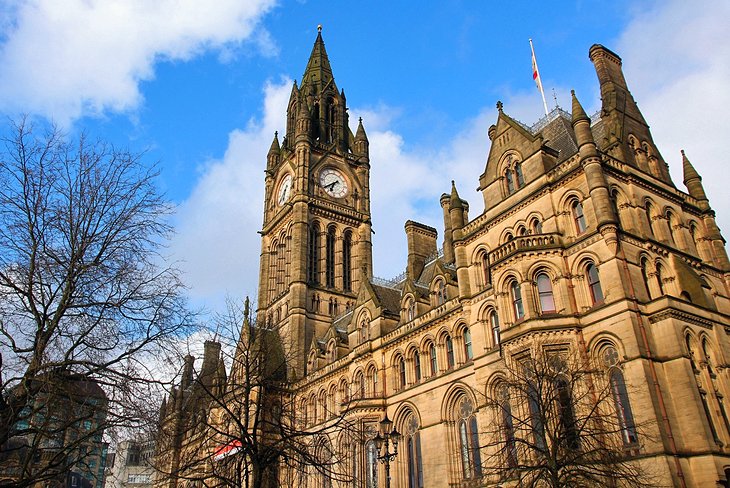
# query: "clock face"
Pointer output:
{"type": "Point", "coordinates": [333, 182]}
{"type": "Point", "coordinates": [284, 190]}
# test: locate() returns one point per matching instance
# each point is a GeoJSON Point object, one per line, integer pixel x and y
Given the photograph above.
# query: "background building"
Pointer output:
{"type": "Point", "coordinates": [132, 465]}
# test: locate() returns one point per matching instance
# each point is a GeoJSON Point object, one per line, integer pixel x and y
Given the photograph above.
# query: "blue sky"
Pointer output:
{"type": "Point", "coordinates": [202, 88]}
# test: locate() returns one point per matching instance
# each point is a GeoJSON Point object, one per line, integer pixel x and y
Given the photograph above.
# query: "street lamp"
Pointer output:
{"type": "Point", "coordinates": [383, 440]}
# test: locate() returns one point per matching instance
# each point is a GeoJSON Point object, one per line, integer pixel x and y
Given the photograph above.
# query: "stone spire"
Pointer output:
{"type": "Point", "coordinates": [272, 158]}
{"type": "Point", "coordinates": [693, 182]}
{"type": "Point", "coordinates": [318, 73]}
{"type": "Point", "coordinates": [362, 144]}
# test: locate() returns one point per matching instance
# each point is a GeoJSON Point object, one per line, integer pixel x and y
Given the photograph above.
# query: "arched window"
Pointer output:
{"type": "Point", "coordinates": [521, 230]}
{"type": "Point", "coordinates": [330, 249]}
{"type": "Point", "coordinates": [660, 278]}
{"type": "Point", "coordinates": [373, 382]}
{"type": "Point", "coordinates": [417, 366]}
{"type": "Point", "coordinates": [484, 265]}
{"type": "Point", "coordinates": [449, 344]}
{"type": "Point", "coordinates": [360, 384]}
{"type": "Point", "coordinates": [518, 175]}
{"type": "Point", "coordinates": [545, 293]}
{"type": "Point", "coordinates": [410, 309]}
{"type": "Point", "coordinates": [468, 352]}
{"type": "Point", "coordinates": [347, 261]}
{"type": "Point", "coordinates": [712, 374]}
{"type": "Point", "coordinates": [649, 219]}
{"type": "Point", "coordinates": [413, 452]}
{"type": "Point", "coordinates": [433, 359]}
{"type": "Point", "coordinates": [508, 426]}
{"type": "Point", "coordinates": [494, 324]}
{"type": "Point", "coordinates": [620, 396]}
{"type": "Point", "coordinates": [371, 465]}
{"type": "Point", "coordinates": [517, 307]}
{"type": "Point", "coordinates": [594, 283]}
{"type": "Point", "coordinates": [471, 461]}
{"type": "Point", "coordinates": [645, 276]}
{"type": "Point", "coordinates": [364, 329]}
{"type": "Point", "coordinates": [614, 206]}
{"type": "Point", "coordinates": [313, 274]}
{"type": "Point", "coordinates": [578, 217]}
{"type": "Point", "coordinates": [536, 226]}
{"type": "Point", "coordinates": [671, 223]}
{"type": "Point", "coordinates": [440, 292]}
{"type": "Point", "coordinates": [401, 372]}
{"type": "Point", "coordinates": [344, 391]}
{"type": "Point", "coordinates": [510, 182]}
{"type": "Point", "coordinates": [568, 427]}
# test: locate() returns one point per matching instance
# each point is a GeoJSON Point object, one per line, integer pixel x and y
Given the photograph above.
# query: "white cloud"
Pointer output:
{"type": "Point", "coordinates": [216, 232]}
{"type": "Point", "coordinates": [677, 64]}
{"type": "Point", "coordinates": [78, 57]}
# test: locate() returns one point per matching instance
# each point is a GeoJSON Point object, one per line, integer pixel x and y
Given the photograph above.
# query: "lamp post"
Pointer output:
{"type": "Point", "coordinates": [383, 440]}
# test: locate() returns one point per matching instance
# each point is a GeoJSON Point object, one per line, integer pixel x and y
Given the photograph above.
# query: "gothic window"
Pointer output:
{"type": "Point", "coordinates": [330, 250]}
{"type": "Point", "coordinates": [331, 107]}
{"type": "Point", "coordinates": [364, 323]}
{"type": "Point", "coordinates": [468, 435]}
{"type": "Point", "coordinates": [373, 374]}
{"type": "Point", "coordinates": [468, 352]}
{"type": "Point", "coordinates": [449, 344]}
{"type": "Point", "coordinates": [568, 426]}
{"type": "Point", "coordinates": [510, 182]}
{"type": "Point", "coordinates": [508, 427]}
{"type": "Point", "coordinates": [313, 268]}
{"type": "Point", "coordinates": [347, 261]}
{"type": "Point", "coordinates": [660, 278]}
{"type": "Point", "coordinates": [433, 359]}
{"type": "Point", "coordinates": [545, 293]}
{"type": "Point", "coordinates": [620, 396]}
{"type": "Point", "coordinates": [401, 363]}
{"type": "Point", "coordinates": [594, 283]}
{"type": "Point", "coordinates": [521, 230]}
{"type": "Point", "coordinates": [614, 206]}
{"type": "Point", "coordinates": [417, 366]}
{"type": "Point", "coordinates": [410, 309]}
{"type": "Point", "coordinates": [413, 452]}
{"type": "Point", "coordinates": [671, 223]}
{"type": "Point", "coordinates": [360, 382]}
{"type": "Point", "coordinates": [645, 276]}
{"type": "Point", "coordinates": [440, 292]}
{"type": "Point", "coordinates": [535, 410]}
{"type": "Point", "coordinates": [494, 324]}
{"type": "Point", "coordinates": [344, 391]}
{"type": "Point", "coordinates": [484, 264]}
{"type": "Point", "coordinates": [518, 174]}
{"type": "Point", "coordinates": [516, 294]}
{"type": "Point", "coordinates": [536, 226]}
{"type": "Point", "coordinates": [648, 212]}
{"type": "Point", "coordinates": [578, 217]}
{"type": "Point", "coordinates": [371, 465]}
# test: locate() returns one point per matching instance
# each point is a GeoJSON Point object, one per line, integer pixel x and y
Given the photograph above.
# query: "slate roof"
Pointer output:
{"type": "Point", "coordinates": [389, 298]}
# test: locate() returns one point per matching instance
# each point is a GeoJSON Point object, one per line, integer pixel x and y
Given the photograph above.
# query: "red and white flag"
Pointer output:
{"type": "Point", "coordinates": [536, 77]}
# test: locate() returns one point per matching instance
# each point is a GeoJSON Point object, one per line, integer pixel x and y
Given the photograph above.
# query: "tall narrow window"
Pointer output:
{"type": "Point", "coordinates": [579, 218]}
{"type": "Point", "coordinates": [510, 182]}
{"type": "Point", "coordinates": [518, 174]}
{"type": "Point", "coordinates": [484, 264]}
{"type": "Point", "coordinates": [536, 414]}
{"type": "Point", "coordinates": [374, 382]}
{"type": "Point", "coordinates": [517, 300]}
{"type": "Point", "coordinates": [449, 352]}
{"type": "Point", "coordinates": [545, 292]}
{"type": "Point", "coordinates": [508, 428]}
{"type": "Point", "coordinates": [433, 358]}
{"type": "Point", "coordinates": [417, 366]}
{"type": "Point", "coordinates": [567, 415]}
{"type": "Point", "coordinates": [410, 309]}
{"type": "Point", "coordinates": [371, 476]}
{"type": "Point", "coordinates": [620, 396]}
{"type": "Point", "coordinates": [649, 219]}
{"type": "Point", "coordinates": [660, 278]}
{"type": "Point", "coordinates": [536, 226]}
{"type": "Point", "coordinates": [330, 249]}
{"type": "Point", "coordinates": [402, 372]}
{"type": "Point", "coordinates": [468, 352]}
{"type": "Point", "coordinates": [313, 274]}
{"type": "Point", "coordinates": [645, 276]}
{"type": "Point", "coordinates": [494, 324]}
{"type": "Point", "coordinates": [347, 262]}
{"type": "Point", "coordinates": [594, 283]}
{"type": "Point", "coordinates": [413, 444]}
{"type": "Point", "coordinates": [440, 292]}
{"type": "Point", "coordinates": [471, 461]}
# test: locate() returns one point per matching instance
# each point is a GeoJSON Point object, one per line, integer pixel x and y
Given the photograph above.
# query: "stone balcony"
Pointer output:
{"type": "Point", "coordinates": [525, 243]}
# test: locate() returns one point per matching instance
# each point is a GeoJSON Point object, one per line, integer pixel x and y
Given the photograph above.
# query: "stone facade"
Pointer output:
{"type": "Point", "coordinates": [585, 245]}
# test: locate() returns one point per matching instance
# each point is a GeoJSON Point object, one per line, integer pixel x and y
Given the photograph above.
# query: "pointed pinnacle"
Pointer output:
{"type": "Point", "coordinates": [360, 134]}
{"type": "Point", "coordinates": [689, 171]}
{"type": "Point", "coordinates": [455, 200]}
{"type": "Point", "coordinates": [275, 148]}
{"type": "Point", "coordinates": [578, 112]}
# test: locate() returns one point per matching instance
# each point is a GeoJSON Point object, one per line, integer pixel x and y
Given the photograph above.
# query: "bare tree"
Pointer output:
{"type": "Point", "coordinates": [84, 291]}
{"type": "Point", "coordinates": [249, 432]}
{"type": "Point", "coordinates": [558, 421]}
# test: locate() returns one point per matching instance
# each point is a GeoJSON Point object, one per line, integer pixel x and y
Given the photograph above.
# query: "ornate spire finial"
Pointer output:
{"type": "Point", "coordinates": [319, 27]}
{"type": "Point", "coordinates": [499, 106]}
{"type": "Point", "coordinates": [360, 120]}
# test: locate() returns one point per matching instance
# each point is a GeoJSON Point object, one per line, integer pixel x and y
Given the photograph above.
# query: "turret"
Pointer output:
{"type": "Point", "coordinates": [693, 182]}
{"type": "Point", "coordinates": [457, 212]}
{"type": "Point", "coordinates": [591, 162]}
{"type": "Point", "coordinates": [448, 238]}
{"type": "Point", "coordinates": [187, 375]}
{"type": "Point", "coordinates": [362, 145]}
{"type": "Point", "coordinates": [456, 209]}
{"type": "Point", "coordinates": [274, 155]}
{"type": "Point", "coordinates": [421, 245]}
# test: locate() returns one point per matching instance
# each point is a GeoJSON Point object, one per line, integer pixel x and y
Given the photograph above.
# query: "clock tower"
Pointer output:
{"type": "Point", "coordinates": [315, 240]}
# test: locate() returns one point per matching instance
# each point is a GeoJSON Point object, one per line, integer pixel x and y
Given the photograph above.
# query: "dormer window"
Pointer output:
{"type": "Point", "coordinates": [440, 292]}
{"type": "Point", "coordinates": [513, 176]}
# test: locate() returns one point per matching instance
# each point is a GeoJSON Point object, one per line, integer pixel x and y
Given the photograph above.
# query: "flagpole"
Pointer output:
{"type": "Point", "coordinates": [536, 76]}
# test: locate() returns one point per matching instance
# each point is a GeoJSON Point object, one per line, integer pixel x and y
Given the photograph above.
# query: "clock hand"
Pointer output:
{"type": "Point", "coordinates": [331, 186]}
